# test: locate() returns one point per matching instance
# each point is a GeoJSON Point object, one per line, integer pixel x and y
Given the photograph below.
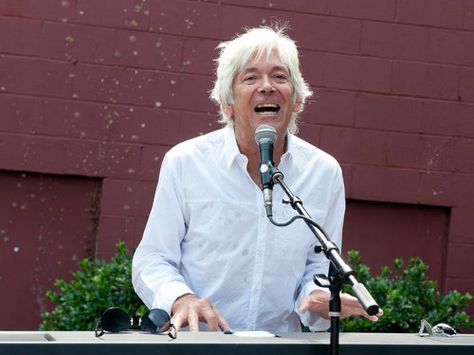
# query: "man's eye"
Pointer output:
{"type": "Point", "coordinates": [250, 78]}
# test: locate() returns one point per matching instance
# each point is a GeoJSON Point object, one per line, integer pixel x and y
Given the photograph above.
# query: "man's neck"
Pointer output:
{"type": "Point", "coordinates": [249, 148]}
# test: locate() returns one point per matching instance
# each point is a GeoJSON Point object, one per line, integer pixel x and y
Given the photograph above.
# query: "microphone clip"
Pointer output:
{"type": "Point", "coordinates": [273, 176]}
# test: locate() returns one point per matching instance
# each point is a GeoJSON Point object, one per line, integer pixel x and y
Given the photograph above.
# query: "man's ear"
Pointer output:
{"type": "Point", "coordinates": [228, 110]}
{"type": "Point", "coordinates": [298, 105]}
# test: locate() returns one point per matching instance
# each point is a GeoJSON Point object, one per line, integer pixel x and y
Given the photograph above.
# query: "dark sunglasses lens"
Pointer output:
{"type": "Point", "coordinates": [147, 324]}
{"type": "Point", "coordinates": [160, 319]}
{"type": "Point", "coordinates": [115, 320]}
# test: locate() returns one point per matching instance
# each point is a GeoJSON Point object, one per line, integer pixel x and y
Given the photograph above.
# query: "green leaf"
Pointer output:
{"type": "Point", "coordinates": [406, 295]}
{"type": "Point", "coordinates": [96, 286]}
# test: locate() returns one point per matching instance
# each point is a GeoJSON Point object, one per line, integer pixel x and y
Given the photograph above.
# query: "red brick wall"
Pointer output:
{"type": "Point", "coordinates": [102, 89]}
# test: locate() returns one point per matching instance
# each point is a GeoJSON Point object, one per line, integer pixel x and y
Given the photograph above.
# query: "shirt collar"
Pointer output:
{"type": "Point", "coordinates": [231, 150]}
{"type": "Point", "coordinates": [290, 150]}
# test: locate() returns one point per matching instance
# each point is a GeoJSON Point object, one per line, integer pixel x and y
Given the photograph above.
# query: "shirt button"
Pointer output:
{"type": "Point", "coordinates": [259, 253]}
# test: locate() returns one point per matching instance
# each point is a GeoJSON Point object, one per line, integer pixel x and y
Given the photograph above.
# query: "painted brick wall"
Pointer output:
{"type": "Point", "coordinates": [101, 89]}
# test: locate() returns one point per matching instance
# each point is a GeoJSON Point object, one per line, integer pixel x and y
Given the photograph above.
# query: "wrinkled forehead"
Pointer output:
{"type": "Point", "coordinates": [264, 55]}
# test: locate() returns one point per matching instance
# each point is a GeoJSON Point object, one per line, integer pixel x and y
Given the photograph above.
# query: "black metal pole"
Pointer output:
{"type": "Point", "coordinates": [339, 271]}
{"type": "Point", "coordinates": [334, 309]}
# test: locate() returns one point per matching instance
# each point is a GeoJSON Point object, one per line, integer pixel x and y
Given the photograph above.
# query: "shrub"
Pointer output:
{"type": "Point", "coordinates": [406, 297]}
{"type": "Point", "coordinates": [97, 286]}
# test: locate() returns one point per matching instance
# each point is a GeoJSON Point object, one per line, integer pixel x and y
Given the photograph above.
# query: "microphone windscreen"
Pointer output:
{"type": "Point", "coordinates": [265, 134]}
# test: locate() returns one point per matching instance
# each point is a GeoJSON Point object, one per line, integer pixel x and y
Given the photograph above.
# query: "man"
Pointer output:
{"type": "Point", "coordinates": [208, 252]}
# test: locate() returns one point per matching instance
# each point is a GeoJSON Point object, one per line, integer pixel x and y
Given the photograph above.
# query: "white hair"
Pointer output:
{"type": "Point", "coordinates": [254, 42]}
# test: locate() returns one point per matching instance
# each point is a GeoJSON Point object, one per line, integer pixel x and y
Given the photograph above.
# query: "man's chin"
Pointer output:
{"type": "Point", "coordinates": [276, 122]}
{"type": "Point", "coordinates": [272, 120]}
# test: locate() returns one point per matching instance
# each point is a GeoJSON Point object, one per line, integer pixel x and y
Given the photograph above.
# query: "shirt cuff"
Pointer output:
{"type": "Point", "coordinates": [169, 293]}
{"type": "Point", "coordinates": [312, 320]}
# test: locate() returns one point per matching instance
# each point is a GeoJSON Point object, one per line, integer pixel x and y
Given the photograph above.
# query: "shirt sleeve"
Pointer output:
{"type": "Point", "coordinates": [318, 263]}
{"type": "Point", "coordinates": [156, 274]}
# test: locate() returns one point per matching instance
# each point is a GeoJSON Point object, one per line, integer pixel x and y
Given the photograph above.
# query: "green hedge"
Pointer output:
{"type": "Point", "coordinates": [97, 286]}
{"type": "Point", "coordinates": [405, 295]}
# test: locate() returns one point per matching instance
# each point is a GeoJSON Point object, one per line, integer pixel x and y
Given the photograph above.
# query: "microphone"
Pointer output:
{"type": "Point", "coordinates": [265, 136]}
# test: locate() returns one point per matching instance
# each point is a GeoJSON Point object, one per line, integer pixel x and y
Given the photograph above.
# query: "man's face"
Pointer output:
{"type": "Point", "coordinates": [263, 93]}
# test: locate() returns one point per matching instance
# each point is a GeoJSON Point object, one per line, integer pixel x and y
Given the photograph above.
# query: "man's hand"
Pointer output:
{"type": "Point", "coordinates": [189, 310]}
{"type": "Point", "coordinates": [318, 302]}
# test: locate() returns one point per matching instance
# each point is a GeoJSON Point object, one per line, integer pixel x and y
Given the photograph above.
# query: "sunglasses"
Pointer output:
{"type": "Point", "coordinates": [115, 320]}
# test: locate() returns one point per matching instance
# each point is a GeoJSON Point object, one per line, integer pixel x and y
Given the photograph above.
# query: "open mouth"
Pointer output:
{"type": "Point", "coordinates": [267, 108]}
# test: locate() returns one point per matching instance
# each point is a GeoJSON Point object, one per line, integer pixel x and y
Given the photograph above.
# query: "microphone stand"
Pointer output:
{"type": "Point", "coordinates": [339, 271]}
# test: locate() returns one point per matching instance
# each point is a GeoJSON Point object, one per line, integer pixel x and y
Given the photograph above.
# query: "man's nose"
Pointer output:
{"type": "Point", "coordinates": [266, 85]}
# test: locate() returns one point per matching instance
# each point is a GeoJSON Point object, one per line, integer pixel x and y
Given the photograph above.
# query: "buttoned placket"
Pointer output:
{"type": "Point", "coordinates": [256, 280]}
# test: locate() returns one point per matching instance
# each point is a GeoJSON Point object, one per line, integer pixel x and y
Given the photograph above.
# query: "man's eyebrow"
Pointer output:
{"type": "Point", "coordinates": [275, 68]}
{"type": "Point", "coordinates": [280, 67]}
{"type": "Point", "coordinates": [248, 70]}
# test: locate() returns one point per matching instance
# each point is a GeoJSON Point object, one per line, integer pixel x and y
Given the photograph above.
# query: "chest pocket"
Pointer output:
{"type": "Point", "coordinates": [217, 220]}
{"type": "Point", "coordinates": [293, 242]}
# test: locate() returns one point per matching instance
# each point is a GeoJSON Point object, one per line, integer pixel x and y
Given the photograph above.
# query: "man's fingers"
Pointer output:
{"type": "Point", "coordinates": [178, 320]}
{"type": "Point", "coordinates": [223, 325]}
{"type": "Point", "coordinates": [304, 305]}
{"type": "Point", "coordinates": [210, 317]}
{"type": "Point", "coordinates": [372, 318]}
{"type": "Point", "coordinates": [190, 310]}
{"type": "Point", "coordinates": [193, 321]}
{"type": "Point", "coordinates": [375, 317]}
{"type": "Point", "coordinates": [313, 302]}
{"type": "Point", "coordinates": [351, 306]}
{"type": "Point", "coordinates": [318, 302]}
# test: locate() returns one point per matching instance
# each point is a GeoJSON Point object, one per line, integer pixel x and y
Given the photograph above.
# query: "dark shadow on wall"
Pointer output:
{"type": "Point", "coordinates": [383, 231]}
{"type": "Point", "coordinates": [48, 223]}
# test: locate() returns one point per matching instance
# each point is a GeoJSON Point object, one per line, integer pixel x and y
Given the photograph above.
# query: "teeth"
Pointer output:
{"type": "Point", "coordinates": [267, 108]}
{"type": "Point", "coordinates": [267, 105]}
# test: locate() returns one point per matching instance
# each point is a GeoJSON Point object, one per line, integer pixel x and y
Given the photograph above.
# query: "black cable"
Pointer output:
{"type": "Point", "coordinates": [304, 218]}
